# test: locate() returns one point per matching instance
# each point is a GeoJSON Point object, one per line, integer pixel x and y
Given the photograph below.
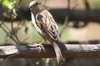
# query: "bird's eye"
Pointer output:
{"type": "Point", "coordinates": [36, 4]}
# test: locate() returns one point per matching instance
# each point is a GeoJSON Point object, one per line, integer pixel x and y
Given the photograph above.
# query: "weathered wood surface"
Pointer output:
{"type": "Point", "coordinates": [46, 51]}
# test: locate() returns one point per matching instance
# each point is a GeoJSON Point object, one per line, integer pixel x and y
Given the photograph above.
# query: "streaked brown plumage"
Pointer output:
{"type": "Point", "coordinates": [46, 26]}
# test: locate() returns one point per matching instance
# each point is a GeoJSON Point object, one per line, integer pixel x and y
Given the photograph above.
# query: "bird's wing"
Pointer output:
{"type": "Point", "coordinates": [47, 24]}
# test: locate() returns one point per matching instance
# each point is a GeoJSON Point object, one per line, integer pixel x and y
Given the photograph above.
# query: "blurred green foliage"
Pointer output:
{"type": "Point", "coordinates": [94, 4]}
{"type": "Point", "coordinates": [31, 35]}
{"type": "Point", "coordinates": [9, 4]}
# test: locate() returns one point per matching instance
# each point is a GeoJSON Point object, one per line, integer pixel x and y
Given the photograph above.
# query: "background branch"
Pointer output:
{"type": "Point", "coordinates": [59, 14]}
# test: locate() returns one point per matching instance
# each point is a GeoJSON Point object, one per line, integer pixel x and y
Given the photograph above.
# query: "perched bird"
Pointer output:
{"type": "Point", "coordinates": [46, 26]}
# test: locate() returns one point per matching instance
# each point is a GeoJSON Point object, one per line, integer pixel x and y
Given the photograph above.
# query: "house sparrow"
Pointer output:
{"type": "Point", "coordinates": [46, 26]}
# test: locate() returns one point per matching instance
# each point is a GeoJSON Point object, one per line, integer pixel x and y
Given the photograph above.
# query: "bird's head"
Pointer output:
{"type": "Point", "coordinates": [36, 7]}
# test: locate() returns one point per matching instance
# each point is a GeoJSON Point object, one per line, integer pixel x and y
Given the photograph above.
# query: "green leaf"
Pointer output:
{"type": "Point", "coordinates": [5, 2]}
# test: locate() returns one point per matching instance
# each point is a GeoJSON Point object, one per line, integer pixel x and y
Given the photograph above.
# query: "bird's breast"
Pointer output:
{"type": "Point", "coordinates": [36, 27]}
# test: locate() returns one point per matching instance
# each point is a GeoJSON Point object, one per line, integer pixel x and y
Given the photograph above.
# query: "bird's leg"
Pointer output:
{"type": "Point", "coordinates": [43, 42]}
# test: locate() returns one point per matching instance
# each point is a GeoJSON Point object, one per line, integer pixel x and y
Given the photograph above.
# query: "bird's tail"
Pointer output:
{"type": "Point", "coordinates": [57, 50]}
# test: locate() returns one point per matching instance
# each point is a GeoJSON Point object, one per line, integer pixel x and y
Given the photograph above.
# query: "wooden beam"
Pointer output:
{"type": "Point", "coordinates": [46, 51]}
